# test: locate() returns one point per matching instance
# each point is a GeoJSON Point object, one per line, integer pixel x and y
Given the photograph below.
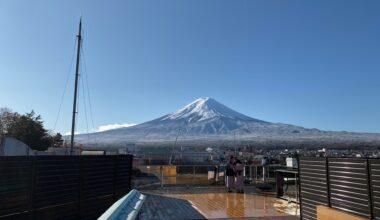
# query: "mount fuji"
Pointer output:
{"type": "Point", "coordinates": [207, 121]}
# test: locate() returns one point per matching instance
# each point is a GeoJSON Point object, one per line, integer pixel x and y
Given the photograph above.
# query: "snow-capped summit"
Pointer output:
{"type": "Point", "coordinates": [204, 109]}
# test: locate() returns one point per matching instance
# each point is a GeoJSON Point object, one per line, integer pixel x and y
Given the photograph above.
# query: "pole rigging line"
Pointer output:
{"type": "Point", "coordinates": [84, 105]}
{"type": "Point", "coordinates": [68, 77]}
{"type": "Point", "coordinates": [85, 78]}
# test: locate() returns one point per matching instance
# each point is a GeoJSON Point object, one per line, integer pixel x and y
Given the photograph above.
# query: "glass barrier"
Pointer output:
{"type": "Point", "coordinates": [190, 175]}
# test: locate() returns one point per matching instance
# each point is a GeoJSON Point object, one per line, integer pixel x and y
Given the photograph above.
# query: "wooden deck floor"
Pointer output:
{"type": "Point", "coordinates": [215, 205]}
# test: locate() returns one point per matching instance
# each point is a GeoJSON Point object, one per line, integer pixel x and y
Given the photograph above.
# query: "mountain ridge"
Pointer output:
{"type": "Point", "coordinates": [207, 119]}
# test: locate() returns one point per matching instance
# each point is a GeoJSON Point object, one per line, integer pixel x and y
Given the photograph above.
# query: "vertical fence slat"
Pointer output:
{"type": "Point", "coordinates": [115, 171]}
{"type": "Point", "coordinates": [374, 173]}
{"type": "Point", "coordinates": [32, 184]}
{"type": "Point", "coordinates": [80, 187]}
{"type": "Point", "coordinates": [369, 189]}
{"type": "Point", "coordinates": [328, 182]}
{"type": "Point", "coordinates": [62, 187]}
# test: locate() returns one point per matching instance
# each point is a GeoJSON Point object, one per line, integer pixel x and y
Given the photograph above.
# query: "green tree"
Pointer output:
{"type": "Point", "coordinates": [57, 140]}
{"type": "Point", "coordinates": [7, 117]}
{"type": "Point", "coordinates": [29, 129]}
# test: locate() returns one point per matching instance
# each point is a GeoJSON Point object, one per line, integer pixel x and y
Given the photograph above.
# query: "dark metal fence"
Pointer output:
{"type": "Point", "coordinates": [62, 187]}
{"type": "Point", "coordinates": [348, 184]}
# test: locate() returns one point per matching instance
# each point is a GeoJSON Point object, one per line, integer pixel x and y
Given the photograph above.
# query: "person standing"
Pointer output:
{"type": "Point", "coordinates": [215, 173]}
{"type": "Point", "coordinates": [239, 168]}
{"type": "Point", "coordinates": [230, 173]}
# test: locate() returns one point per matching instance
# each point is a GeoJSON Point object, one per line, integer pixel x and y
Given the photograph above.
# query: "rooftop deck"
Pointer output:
{"type": "Point", "coordinates": [215, 203]}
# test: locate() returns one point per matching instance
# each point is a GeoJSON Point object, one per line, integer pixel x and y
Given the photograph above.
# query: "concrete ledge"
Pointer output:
{"type": "Point", "coordinates": [128, 207]}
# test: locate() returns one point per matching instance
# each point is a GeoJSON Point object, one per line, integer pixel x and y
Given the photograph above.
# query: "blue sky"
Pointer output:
{"type": "Point", "coordinates": [309, 63]}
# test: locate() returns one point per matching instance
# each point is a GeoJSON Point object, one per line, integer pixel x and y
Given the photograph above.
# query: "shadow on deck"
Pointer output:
{"type": "Point", "coordinates": [162, 207]}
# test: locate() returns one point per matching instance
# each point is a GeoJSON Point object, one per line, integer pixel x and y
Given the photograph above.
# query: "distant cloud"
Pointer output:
{"type": "Point", "coordinates": [103, 128]}
{"type": "Point", "coordinates": [113, 126]}
{"type": "Point", "coordinates": [69, 133]}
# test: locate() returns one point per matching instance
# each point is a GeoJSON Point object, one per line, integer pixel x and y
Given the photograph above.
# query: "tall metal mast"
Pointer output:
{"type": "Point", "coordinates": [79, 36]}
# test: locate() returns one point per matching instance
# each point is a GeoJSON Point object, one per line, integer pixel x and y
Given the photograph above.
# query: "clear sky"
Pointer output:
{"type": "Point", "coordinates": [310, 63]}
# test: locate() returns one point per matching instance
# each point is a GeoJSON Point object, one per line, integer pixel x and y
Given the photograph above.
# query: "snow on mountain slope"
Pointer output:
{"type": "Point", "coordinates": [204, 119]}
{"type": "Point", "coordinates": [204, 116]}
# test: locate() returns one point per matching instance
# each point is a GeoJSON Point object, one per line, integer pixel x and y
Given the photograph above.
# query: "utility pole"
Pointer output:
{"type": "Point", "coordinates": [175, 144]}
{"type": "Point", "coordinates": [235, 142]}
{"type": "Point", "coordinates": [79, 37]}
